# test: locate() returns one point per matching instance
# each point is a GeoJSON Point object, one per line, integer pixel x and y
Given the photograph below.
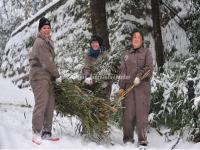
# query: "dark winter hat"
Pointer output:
{"type": "Point", "coordinates": [43, 21]}
{"type": "Point", "coordinates": [96, 38]}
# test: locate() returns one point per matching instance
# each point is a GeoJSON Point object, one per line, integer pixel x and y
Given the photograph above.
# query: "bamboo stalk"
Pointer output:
{"type": "Point", "coordinates": [113, 109]}
{"type": "Point", "coordinates": [132, 86]}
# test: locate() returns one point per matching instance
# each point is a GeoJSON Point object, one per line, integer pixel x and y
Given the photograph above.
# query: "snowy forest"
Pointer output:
{"type": "Point", "coordinates": [171, 32]}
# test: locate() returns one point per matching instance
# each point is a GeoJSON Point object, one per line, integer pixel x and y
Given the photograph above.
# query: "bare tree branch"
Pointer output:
{"type": "Point", "coordinates": [4, 6]}
{"type": "Point", "coordinates": [20, 4]}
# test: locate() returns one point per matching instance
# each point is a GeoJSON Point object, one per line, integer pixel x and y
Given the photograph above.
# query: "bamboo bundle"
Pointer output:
{"type": "Point", "coordinates": [93, 112]}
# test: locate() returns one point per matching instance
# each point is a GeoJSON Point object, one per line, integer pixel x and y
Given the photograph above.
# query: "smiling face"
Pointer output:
{"type": "Point", "coordinates": [45, 31]}
{"type": "Point", "coordinates": [95, 45]}
{"type": "Point", "coordinates": [137, 40]}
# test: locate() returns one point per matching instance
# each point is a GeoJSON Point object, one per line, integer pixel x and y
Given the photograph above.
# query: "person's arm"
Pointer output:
{"type": "Point", "coordinates": [46, 59]}
{"type": "Point", "coordinates": [148, 66]}
{"type": "Point", "coordinates": [122, 74]}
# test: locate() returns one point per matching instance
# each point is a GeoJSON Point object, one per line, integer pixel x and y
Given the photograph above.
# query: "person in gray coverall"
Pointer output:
{"type": "Point", "coordinates": [135, 63]}
{"type": "Point", "coordinates": [42, 72]}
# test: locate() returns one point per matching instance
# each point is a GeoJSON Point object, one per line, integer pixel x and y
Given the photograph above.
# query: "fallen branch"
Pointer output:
{"type": "Point", "coordinates": [93, 112]}
{"type": "Point", "coordinates": [16, 105]}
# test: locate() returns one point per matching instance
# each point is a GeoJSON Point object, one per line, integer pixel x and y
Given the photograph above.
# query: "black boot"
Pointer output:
{"type": "Point", "coordinates": [46, 135]}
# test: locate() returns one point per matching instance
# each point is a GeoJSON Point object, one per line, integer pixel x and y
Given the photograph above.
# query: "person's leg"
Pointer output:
{"type": "Point", "coordinates": [40, 90]}
{"type": "Point", "coordinates": [86, 72]}
{"type": "Point", "coordinates": [106, 88]}
{"type": "Point", "coordinates": [128, 118]}
{"type": "Point", "coordinates": [142, 111]}
{"type": "Point", "coordinates": [48, 116]}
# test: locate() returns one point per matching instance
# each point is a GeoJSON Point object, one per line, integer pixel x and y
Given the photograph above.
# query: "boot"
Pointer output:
{"type": "Point", "coordinates": [48, 136]}
{"type": "Point", "coordinates": [37, 138]}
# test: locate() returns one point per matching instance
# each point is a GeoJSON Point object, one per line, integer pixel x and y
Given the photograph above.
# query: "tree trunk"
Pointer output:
{"type": "Point", "coordinates": [26, 9]}
{"type": "Point", "coordinates": [157, 34]}
{"type": "Point", "coordinates": [98, 18]}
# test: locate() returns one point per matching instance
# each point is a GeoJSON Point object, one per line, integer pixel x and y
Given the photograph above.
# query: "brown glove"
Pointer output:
{"type": "Point", "coordinates": [121, 92]}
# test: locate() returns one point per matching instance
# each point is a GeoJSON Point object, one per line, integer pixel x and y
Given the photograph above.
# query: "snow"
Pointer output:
{"type": "Point", "coordinates": [197, 101]}
{"type": "Point", "coordinates": [16, 130]}
{"type": "Point", "coordinates": [173, 35]}
{"type": "Point", "coordinates": [67, 42]}
{"type": "Point", "coordinates": [9, 93]}
{"type": "Point", "coordinates": [37, 14]}
{"type": "Point", "coordinates": [16, 124]}
{"type": "Point", "coordinates": [172, 38]}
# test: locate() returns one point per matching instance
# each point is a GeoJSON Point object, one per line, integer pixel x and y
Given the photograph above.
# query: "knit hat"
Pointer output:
{"type": "Point", "coordinates": [96, 38]}
{"type": "Point", "coordinates": [43, 21]}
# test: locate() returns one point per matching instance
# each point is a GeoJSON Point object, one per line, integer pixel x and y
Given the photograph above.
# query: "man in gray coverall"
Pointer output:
{"type": "Point", "coordinates": [134, 65]}
{"type": "Point", "coordinates": [42, 72]}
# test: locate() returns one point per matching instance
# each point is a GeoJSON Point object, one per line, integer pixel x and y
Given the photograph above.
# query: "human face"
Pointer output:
{"type": "Point", "coordinates": [45, 31]}
{"type": "Point", "coordinates": [137, 40]}
{"type": "Point", "coordinates": [95, 45]}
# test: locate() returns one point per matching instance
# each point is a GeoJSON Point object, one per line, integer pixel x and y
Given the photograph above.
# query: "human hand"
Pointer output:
{"type": "Point", "coordinates": [121, 92]}
{"type": "Point", "coordinates": [88, 81]}
{"type": "Point", "coordinates": [136, 81]}
{"type": "Point", "coordinates": [59, 79]}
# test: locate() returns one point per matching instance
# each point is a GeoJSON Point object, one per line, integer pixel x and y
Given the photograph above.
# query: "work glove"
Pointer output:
{"type": "Point", "coordinates": [88, 81]}
{"type": "Point", "coordinates": [121, 92]}
{"type": "Point", "coordinates": [136, 81]}
{"type": "Point", "coordinates": [59, 79]}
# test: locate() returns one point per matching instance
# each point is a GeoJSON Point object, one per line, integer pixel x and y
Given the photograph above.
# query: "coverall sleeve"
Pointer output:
{"type": "Point", "coordinates": [122, 74]}
{"type": "Point", "coordinates": [148, 66]}
{"type": "Point", "coordinates": [46, 59]}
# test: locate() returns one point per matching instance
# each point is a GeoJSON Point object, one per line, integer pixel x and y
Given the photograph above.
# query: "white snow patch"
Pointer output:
{"type": "Point", "coordinates": [16, 132]}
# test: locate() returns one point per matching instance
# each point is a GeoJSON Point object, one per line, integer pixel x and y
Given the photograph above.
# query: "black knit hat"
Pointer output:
{"type": "Point", "coordinates": [96, 38]}
{"type": "Point", "coordinates": [43, 21]}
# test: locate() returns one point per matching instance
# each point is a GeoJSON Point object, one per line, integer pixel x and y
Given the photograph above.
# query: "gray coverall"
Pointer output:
{"type": "Point", "coordinates": [137, 102]}
{"type": "Point", "coordinates": [42, 72]}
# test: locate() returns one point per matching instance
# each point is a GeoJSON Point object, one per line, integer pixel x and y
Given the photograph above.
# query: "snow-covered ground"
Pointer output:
{"type": "Point", "coordinates": [15, 127]}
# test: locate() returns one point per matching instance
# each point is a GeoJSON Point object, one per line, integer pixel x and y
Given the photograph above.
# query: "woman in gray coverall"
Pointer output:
{"type": "Point", "coordinates": [135, 63]}
{"type": "Point", "coordinates": [43, 71]}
